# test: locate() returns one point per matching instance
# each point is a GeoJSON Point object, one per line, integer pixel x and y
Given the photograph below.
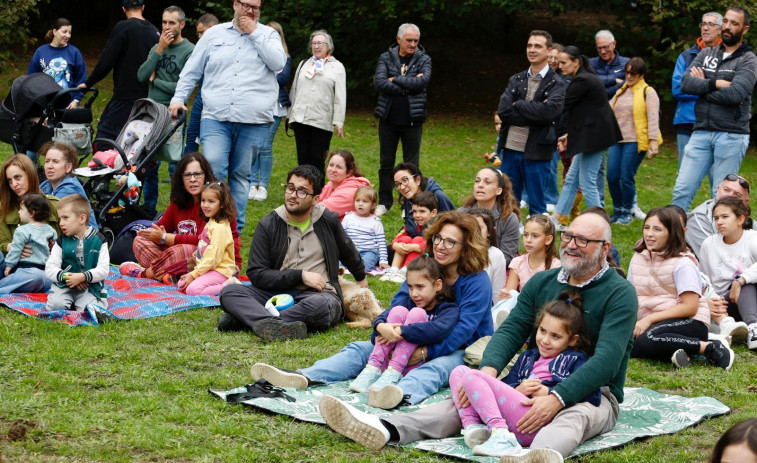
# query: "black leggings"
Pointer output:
{"type": "Point", "coordinates": [312, 145]}
{"type": "Point", "coordinates": [663, 338]}
{"type": "Point", "coordinates": [746, 309]}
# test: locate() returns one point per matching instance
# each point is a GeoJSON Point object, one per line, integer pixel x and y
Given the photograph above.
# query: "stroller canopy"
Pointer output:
{"type": "Point", "coordinates": [153, 118]}
{"type": "Point", "coordinates": [30, 95]}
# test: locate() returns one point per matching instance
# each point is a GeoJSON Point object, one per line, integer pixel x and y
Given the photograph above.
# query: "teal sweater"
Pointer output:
{"type": "Point", "coordinates": [610, 305]}
{"type": "Point", "coordinates": [167, 67]}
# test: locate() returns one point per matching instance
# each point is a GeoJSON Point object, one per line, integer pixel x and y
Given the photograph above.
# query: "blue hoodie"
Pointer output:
{"type": "Point", "coordinates": [69, 186]}
{"type": "Point", "coordinates": [684, 116]}
{"type": "Point", "coordinates": [445, 204]}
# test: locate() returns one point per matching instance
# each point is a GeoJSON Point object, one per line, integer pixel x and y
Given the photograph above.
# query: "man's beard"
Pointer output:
{"type": "Point", "coordinates": [587, 265]}
{"type": "Point", "coordinates": [735, 37]}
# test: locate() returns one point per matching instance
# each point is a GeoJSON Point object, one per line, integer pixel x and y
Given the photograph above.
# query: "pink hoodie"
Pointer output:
{"type": "Point", "coordinates": [342, 199]}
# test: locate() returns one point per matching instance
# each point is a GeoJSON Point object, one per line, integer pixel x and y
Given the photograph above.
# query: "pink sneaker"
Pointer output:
{"type": "Point", "coordinates": [131, 269]}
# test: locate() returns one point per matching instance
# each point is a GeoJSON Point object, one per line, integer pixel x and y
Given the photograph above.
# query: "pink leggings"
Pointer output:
{"type": "Point", "coordinates": [402, 349]}
{"type": "Point", "coordinates": [491, 402]}
{"type": "Point", "coordinates": [207, 284]}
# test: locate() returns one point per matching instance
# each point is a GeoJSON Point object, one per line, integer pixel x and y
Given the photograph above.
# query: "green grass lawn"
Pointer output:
{"type": "Point", "coordinates": [136, 391]}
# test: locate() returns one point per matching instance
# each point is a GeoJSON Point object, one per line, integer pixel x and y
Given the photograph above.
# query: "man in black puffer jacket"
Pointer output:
{"type": "Point", "coordinates": [402, 75]}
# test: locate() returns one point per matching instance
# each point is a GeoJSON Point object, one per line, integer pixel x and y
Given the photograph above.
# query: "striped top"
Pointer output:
{"type": "Point", "coordinates": [367, 233]}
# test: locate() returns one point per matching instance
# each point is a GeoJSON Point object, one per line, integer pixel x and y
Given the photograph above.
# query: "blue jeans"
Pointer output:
{"type": "Point", "coordinates": [419, 383]}
{"type": "Point", "coordinates": [229, 148]}
{"type": "Point", "coordinates": [531, 174]}
{"type": "Point", "coordinates": [622, 164]}
{"type": "Point", "coordinates": [682, 139]}
{"type": "Point", "coordinates": [584, 172]}
{"type": "Point", "coordinates": [23, 280]}
{"type": "Point", "coordinates": [550, 191]}
{"type": "Point", "coordinates": [370, 259]}
{"type": "Point", "coordinates": [150, 190]}
{"type": "Point", "coordinates": [260, 170]}
{"type": "Point", "coordinates": [723, 151]}
{"type": "Point", "coordinates": [193, 126]}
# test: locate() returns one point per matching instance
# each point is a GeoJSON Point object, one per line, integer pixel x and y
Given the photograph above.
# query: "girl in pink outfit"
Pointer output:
{"type": "Point", "coordinates": [490, 409]}
{"type": "Point", "coordinates": [214, 258]}
{"type": "Point", "coordinates": [345, 178]}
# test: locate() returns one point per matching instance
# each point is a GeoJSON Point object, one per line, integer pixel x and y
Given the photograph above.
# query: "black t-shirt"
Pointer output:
{"type": "Point", "coordinates": [399, 108]}
{"type": "Point", "coordinates": [127, 48]}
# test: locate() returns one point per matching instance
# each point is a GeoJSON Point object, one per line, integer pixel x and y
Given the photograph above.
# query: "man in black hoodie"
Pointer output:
{"type": "Point", "coordinates": [127, 48]}
{"type": "Point", "coordinates": [402, 75]}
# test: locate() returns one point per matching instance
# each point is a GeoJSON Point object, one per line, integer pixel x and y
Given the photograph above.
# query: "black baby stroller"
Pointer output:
{"type": "Point", "coordinates": [148, 128]}
{"type": "Point", "coordinates": [34, 112]}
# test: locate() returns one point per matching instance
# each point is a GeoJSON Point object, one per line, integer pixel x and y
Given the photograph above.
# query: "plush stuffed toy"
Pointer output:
{"type": "Point", "coordinates": [361, 304]}
{"type": "Point", "coordinates": [132, 192]}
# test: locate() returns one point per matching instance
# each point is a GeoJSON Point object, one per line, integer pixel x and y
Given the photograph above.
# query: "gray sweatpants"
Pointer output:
{"type": "Point", "coordinates": [70, 299]}
{"type": "Point", "coordinates": [564, 433]}
{"type": "Point", "coordinates": [320, 310]}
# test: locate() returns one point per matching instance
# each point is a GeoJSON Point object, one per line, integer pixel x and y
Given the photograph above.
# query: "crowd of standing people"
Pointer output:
{"type": "Point", "coordinates": [690, 289]}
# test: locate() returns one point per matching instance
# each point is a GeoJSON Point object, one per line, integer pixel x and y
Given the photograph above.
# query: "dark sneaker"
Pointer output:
{"type": "Point", "coordinates": [719, 354]}
{"type": "Point", "coordinates": [680, 358]}
{"type": "Point", "coordinates": [278, 376]}
{"type": "Point", "coordinates": [274, 329]}
{"type": "Point", "coordinates": [228, 322]}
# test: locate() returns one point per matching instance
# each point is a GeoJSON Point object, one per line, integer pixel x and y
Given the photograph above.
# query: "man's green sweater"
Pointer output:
{"type": "Point", "coordinates": [167, 67]}
{"type": "Point", "coordinates": [610, 306]}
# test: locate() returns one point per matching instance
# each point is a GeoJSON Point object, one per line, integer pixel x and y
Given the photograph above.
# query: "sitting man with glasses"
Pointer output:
{"type": "Point", "coordinates": [296, 249]}
{"type": "Point", "coordinates": [561, 419]}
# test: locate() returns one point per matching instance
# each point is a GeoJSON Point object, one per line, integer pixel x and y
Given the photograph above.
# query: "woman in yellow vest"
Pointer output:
{"type": "Point", "coordinates": [637, 109]}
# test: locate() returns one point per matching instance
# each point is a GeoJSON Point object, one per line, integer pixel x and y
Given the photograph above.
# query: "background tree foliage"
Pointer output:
{"type": "Point", "coordinates": [16, 17]}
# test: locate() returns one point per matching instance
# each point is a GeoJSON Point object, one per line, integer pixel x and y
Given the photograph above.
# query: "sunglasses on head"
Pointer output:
{"type": "Point", "coordinates": [738, 178]}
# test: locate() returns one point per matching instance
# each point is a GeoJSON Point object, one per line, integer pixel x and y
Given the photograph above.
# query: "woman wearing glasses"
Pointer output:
{"type": "Point", "coordinates": [409, 181]}
{"type": "Point", "coordinates": [456, 243]}
{"type": "Point", "coordinates": [319, 101]}
{"type": "Point", "coordinates": [588, 128]}
{"type": "Point", "coordinates": [163, 249]}
{"type": "Point", "coordinates": [637, 110]}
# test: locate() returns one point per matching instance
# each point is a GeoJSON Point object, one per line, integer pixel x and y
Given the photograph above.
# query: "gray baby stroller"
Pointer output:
{"type": "Point", "coordinates": [127, 160]}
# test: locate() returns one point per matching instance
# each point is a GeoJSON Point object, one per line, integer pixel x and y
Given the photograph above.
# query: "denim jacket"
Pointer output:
{"type": "Point", "coordinates": [560, 367]}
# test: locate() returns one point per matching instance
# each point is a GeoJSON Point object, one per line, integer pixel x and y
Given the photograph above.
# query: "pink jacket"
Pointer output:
{"type": "Point", "coordinates": [342, 199]}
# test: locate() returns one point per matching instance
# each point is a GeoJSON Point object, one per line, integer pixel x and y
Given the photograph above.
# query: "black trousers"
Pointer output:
{"type": "Point", "coordinates": [312, 145]}
{"type": "Point", "coordinates": [389, 137]}
{"type": "Point", "coordinates": [113, 118]}
{"type": "Point", "coordinates": [662, 339]}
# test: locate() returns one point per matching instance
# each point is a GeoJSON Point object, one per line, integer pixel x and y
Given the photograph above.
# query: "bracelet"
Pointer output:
{"type": "Point", "coordinates": [423, 354]}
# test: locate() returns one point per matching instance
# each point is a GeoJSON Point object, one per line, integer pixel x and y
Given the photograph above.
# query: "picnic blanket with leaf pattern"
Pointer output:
{"type": "Point", "coordinates": [128, 299]}
{"type": "Point", "coordinates": [643, 413]}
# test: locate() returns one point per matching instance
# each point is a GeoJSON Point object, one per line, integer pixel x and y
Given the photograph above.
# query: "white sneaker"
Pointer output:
{"type": "Point", "coordinates": [381, 210]}
{"type": "Point", "coordinates": [353, 424]}
{"type": "Point", "coordinates": [262, 194]}
{"type": "Point", "coordinates": [751, 341]}
{"type": "Point", "coordinates": [738, 331]}
{"type": "Point", "coordinates": [399, 276]}
{"type": "Point", "coordinates": [638, 213]}
{"type": "Point", "coordinates": [534, 456]}
{"type": "Point", "coordinates": [550, 208]}
{"type": "Point", "coordinates": [253, 192]}
{"type": "Point", "coordinates": [523, 204]}
{"type": "Point", "coordinates": [476, 434]}
{"type": "Point", "coordinates": [387, 276]}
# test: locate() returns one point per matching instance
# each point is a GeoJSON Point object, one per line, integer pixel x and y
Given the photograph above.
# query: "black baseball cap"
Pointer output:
{"type": "Point", "coordinates": [133, 3]}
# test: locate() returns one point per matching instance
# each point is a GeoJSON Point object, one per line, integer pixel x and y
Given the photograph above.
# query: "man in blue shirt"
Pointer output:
{"type": "Point", "coordinates": [238, 62]}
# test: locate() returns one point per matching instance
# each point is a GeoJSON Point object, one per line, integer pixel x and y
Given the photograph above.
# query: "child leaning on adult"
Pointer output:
{"type": "Point", "coordinates": [456, 243]}
{"type": "Point", "coordinates": [164, 251]}
{"type": "Point", "coordinates": [19, 177]}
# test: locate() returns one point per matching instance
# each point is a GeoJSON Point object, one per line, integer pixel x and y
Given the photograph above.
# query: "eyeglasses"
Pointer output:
{"type": "Point", "coordinates": [193, 174]}
{"type": "Point", "coordinates": [604, 47]}
{"type": "Point", "coordinates": [247, 7]}
{"type": "Point", "coordinates": [318, 44]}
{"type": "Point", "coordinates": [581, 242]}
{"type": "Point", "coordinates": [710, 25]}
{"type": "Point", "coordinates": [300, 192]}
{"type": "Point", "coordinates": [738, 178]}
{"type": "Point", "coordinates": [448, 243]}
{"type": "Point", "coordinates": [404, 181]}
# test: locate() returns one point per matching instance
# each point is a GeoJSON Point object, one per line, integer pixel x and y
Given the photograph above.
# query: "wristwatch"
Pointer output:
{"type": "Point", "coordinates": [163, 238]}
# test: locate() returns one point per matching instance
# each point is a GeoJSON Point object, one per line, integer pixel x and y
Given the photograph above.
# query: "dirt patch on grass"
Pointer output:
{"type": "Point", "coordinates": [18, 430]}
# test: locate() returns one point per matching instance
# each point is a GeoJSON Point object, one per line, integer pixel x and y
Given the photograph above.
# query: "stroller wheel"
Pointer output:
{"type": "Point", "coordinates": [110, 236]}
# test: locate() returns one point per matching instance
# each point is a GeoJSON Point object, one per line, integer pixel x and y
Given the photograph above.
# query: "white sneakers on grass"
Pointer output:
{"type": "Point", "coordinates": [257, 193]}
{"type": "Point", "coordinates": [395, 275]}
{"type": "Point", "coordinates": [367, 430]}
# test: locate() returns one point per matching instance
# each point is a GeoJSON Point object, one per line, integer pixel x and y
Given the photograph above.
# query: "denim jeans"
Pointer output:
{"type": "Point", "coordinates": [150, 190]}
{"type": "Point", "coordinates": [260, 170]}
{"type": "Point", "coordinates": [23, 280]}
{"type": "Point", "coordinates": [682, 139]}
{"type": "Point", "coordinates": [229, 148]}
{"type": "Point", "coordinates": [622, 164]}
{"type": "Point", "coordinates": [583, 173]}
{"type": "Point", "coordinates": [550, 191]}
{"type": "Point", "coordinates": [420, 383]}
{"type": "Point", "coordinates": [723, 151]}
{"type": "Point", "coordinates": [370, 259]}
{"type": "Point", "coordinates": [531, 174]}
{"type": "Point", "coordinates": [193, 126]}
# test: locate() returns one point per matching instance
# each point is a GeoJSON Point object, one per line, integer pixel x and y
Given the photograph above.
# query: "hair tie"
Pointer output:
{"type": "Point", "coordinates": [426, 254]}
{"type": "Point", "coordinates": [569, 300]}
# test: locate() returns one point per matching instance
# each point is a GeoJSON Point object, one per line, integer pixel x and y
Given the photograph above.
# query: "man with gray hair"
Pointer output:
{"type": "Point", "coordinates": [560, 419]}
{"type": "Point", "coordinates": [609, 65]}
{"type": "Point", "coordinates": [402, 75]}
{"type": "Point", "coordinates": [684, 116]}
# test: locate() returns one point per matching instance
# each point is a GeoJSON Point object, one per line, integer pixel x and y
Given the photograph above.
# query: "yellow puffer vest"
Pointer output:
{"type": "Point", "coordinates": [640, 122]}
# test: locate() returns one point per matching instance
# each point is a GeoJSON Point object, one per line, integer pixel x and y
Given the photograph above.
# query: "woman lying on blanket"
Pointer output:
{"type": "Point", "coordinates": [19, 177]}
{"type": "Point", "coordinates": [164, 251]}
{"type": "Point", "coordinates": [457, 246]}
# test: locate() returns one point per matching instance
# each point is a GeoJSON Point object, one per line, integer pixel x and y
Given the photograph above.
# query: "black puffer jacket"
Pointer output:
{"type": "Point", "coordinates": [410, 85]}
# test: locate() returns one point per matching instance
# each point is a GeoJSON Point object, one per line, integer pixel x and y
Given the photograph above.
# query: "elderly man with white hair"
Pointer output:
{"type": "Point", "coordinates": [609, 65]}
{"type": "Point", "coordinates": [402, 75]}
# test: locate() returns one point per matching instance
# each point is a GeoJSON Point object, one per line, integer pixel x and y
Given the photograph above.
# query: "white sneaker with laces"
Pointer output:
{"type": "Point", "coordinates": [638, 213]}
{"type": "Point", "coordinates": [253, 192]}
{"type": "Point", "coordinates": [380, 210]}
{"type": "Point", "coordinates": [399, 276]}
{"type": "Point", "coordinates": [367, 430]}
{"type": "Point", "coordinates": [389, 273]}
{"type": "Point", "coordinates": [738, 331]}
{"type": "Point", "coordinates": [262, 194]}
